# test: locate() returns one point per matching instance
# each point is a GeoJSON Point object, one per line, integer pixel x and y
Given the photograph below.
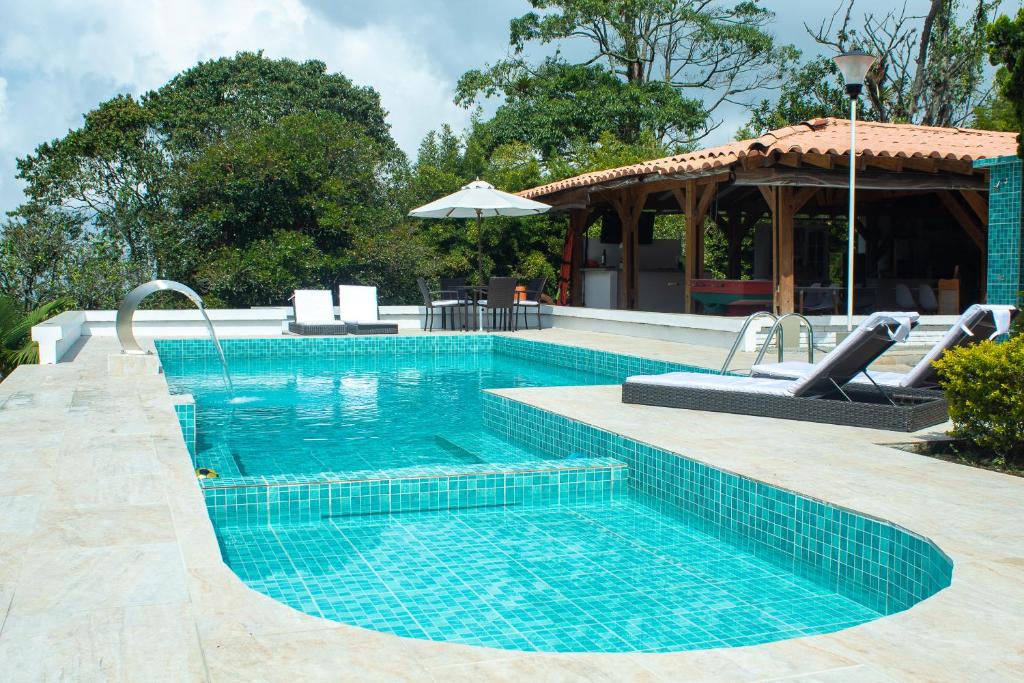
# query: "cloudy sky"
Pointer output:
{"type": "Point", "coordinates": [59, 58]}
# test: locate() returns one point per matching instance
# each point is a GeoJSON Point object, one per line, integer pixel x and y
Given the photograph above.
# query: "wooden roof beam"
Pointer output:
{"type": "Point", "coordinates": [956, 166]}
{"type": "Point", "coordinates": [790, 159]}
{"type": "Point", "coordinates": [888, 163]}
{"type": "Point", "coordinates": [923, 164]}
{"type": "Point", "coordinates": [978, 204]}
{"type": "Point", "coordinates": [802, 196]}
{"type": "Point", "coordinates": [871, 179]}
{"type": "Point", "coordinates": [966, 220]}
{"type": "Point", "coordinates": [818, 160]}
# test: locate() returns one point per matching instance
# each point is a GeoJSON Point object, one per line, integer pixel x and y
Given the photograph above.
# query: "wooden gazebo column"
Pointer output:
{"type": "Point", "coordinates": [695, 207]}
{"type": "Point", "coordinates": [629, 203]}
{"type": "Point", "coordinates": [784, 202]}
{"type": "Point", "coordinates": [577, 226]}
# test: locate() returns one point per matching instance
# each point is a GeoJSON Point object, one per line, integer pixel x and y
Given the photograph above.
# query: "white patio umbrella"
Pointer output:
{"type": "Point", "coordinates": [477, 200]}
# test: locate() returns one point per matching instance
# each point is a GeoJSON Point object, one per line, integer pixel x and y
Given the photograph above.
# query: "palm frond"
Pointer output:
{"type": "Point", "coordinates": [16, 345]}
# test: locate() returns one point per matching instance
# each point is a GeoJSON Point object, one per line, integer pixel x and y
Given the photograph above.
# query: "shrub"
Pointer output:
{"type": "Point", "coordinates": [984, 386]}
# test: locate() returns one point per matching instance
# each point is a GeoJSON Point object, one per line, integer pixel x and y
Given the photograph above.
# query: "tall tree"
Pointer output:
{"type": "Point", "coordinates": [555, 106]}
{"type": "Point", "coordinates": [930, 67]}
{"type": "Point", "coordinates": [228, 155]}
{"type": "Point", "coordinates": [708, 51]}
{"type": "Point", "coordinates": [37, 248]}
{"type": "Point", "coordinates": [1006, 48]}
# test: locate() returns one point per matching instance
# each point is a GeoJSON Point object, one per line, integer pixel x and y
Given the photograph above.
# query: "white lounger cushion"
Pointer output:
{"type": "Point", "coordinates": [313, 306]}
{"type": "Point", "coordinates": [357, 304]}
{"type": "Point", "coordinates": [792, 369]}
{"type": "Point", "coordinates": [920, 373]}
{"type": "Point", "coordinates": [700, 380]}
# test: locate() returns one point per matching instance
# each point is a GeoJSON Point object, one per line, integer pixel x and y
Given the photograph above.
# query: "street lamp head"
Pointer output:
{"type": "Point", "coordinates": [854, 66]}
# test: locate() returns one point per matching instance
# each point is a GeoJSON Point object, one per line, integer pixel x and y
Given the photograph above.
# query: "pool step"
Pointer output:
{"type": "Point", "coordinates": [482, 447]}
{"type": "Point", "coordinates": [220, 459]}
{"type": "Point", "coordinates": [283, 499]}
{"type": "Point", "coordinates": [460, 453]}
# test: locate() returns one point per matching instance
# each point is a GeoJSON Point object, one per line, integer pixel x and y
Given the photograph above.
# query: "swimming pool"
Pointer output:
{"type": "Point", "coordinates": [524, 530]}
{"type": "Point", "coordinates": [307, 414]}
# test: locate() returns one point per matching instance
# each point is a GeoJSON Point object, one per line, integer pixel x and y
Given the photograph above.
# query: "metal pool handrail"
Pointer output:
{"type": "Point", "coordinates": [777, 329]}
{"type": "Point", "coordinates": [739, 337]}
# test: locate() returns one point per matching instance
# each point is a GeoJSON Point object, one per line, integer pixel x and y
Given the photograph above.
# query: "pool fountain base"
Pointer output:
{"type": "Point", "coordinates": [132, 364]}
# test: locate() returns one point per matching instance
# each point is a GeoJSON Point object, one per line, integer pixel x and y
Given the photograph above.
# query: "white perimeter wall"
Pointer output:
{"type": "Point", "coordinates": [57, 335]}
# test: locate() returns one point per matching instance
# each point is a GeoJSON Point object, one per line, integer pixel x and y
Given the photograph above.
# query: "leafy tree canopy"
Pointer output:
{"type": "Point", "coordinates": [709, 51]}
{"type": "Point", "coordinates": [557, 105]}
{"type": "Point", "coordinates": [225, 96]}
{"type": "Point", "coordinates": [313, 173]}
{"type": "Point", "coordinates": [929, 70]}
{"type": "Point", "coordinates": [1006, 48]}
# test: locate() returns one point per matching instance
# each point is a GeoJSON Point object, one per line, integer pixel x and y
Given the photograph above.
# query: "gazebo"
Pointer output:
{"type": "Point", "coordinates": [923, 214]}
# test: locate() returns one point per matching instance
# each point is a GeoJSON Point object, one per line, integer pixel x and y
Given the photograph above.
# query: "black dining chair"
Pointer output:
{"type": "Point", "coordinates": [432, 305]}
{"type": "Point", "coordinates": [453, 287]}
{"type": "Point", "coordinates": [530, 300]}
{"type": "Point", "coordinates": [501, 299]}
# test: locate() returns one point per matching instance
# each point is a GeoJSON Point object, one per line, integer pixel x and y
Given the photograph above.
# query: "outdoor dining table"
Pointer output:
{"type": "Point", "coordinates": [468, 296]}
{"type": "Point", "coordinates": [838, 293]}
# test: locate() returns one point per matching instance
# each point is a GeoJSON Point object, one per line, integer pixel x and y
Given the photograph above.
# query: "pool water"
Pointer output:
{"type": "Point", "coordinates": [309, 415]}
{"type": "Point", "coordinates": [380, 486]}
{"type": "Point", "coordinates": [621, 576]}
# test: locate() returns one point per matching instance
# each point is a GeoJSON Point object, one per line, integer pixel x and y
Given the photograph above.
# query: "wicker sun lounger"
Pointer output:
{"type": "Point", "coordinates": [978, 322]}
{"type": "Point", "coordinates": [818, 396]}
{"type": "Point", "coordinates": [358, 308]}
{"type": "Point", "coordinates": [314, 314]}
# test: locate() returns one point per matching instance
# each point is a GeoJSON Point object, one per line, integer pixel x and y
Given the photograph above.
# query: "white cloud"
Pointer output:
{"type": "Point", "coordinates": [60, 58]}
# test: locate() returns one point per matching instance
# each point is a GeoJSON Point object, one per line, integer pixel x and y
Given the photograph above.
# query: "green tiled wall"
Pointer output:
{"type": "Point", "coordinates": [616, 366]}
{"type": "Point", "coordinates": [1005, 231]}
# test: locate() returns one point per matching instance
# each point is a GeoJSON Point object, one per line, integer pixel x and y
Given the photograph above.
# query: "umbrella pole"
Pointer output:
{"type": "Point", "coordinates": [479, 246]}
{"type": "Point", "coordinates": [479, 263]}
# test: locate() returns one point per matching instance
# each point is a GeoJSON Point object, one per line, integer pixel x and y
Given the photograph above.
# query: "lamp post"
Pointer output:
{"type": "Point", "coordinates": [854, 66]}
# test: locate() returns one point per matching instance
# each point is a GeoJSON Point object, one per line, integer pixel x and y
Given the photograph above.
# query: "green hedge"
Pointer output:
{"type": "Point", "coordinates": [984, 384]}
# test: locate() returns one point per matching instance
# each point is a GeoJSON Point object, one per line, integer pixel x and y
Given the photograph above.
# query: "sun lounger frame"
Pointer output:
{"type": "Point", "coordinates": [909, 410]}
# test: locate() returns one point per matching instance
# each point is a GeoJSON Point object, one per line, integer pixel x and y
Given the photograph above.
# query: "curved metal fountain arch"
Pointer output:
{"type": "Point", "coordinates": [126, 312]}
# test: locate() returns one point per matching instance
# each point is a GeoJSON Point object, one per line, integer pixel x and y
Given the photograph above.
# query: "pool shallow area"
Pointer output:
{"type": "Point", "coordinates": [624, 576]}
{"type": "Point", "coordinates": [378, 483]}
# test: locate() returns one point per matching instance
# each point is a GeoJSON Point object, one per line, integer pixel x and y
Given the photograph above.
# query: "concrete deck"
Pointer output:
{"type": "Point", "coordinates": [109, 568]}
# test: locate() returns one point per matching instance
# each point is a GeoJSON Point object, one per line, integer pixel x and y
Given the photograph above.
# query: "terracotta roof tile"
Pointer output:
{"type": "Point", "coordinates": [827, 136]}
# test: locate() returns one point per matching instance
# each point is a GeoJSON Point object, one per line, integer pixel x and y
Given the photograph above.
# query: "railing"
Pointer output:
{"type": "Point", "coordinates": [777, 329]}
{"type": "Point", "coordinates": [742, 333]}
